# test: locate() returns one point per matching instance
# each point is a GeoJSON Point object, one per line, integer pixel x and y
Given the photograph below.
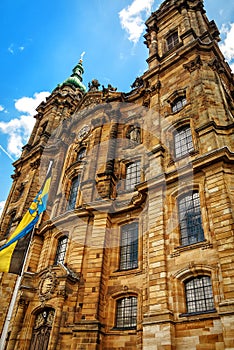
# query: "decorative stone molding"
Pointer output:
{"type": "Point", "coordinates": [194, 64]}
{"type": "Point", "coordinates": [201, 245]}
{"type": "Point", "coordinates": [47, 285]}
{"type": "Point", "coordinates": [34, 165]}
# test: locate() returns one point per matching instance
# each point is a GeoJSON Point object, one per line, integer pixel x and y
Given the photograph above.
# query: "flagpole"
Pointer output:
{"type": "Point", "coordinates": [13, 299]}
{"type": "Point", "coordinates": [17, 284]}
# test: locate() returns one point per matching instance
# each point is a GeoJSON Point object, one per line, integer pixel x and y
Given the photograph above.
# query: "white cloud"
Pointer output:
{"type": "Point", "coordinates": [2, 203]}
{"type": "Point", "coordinates": [13, 49]}
{"type": "Point", "coordinates": [1, 108]}
{"type": "Point", "coordinates": [227, 46]}
{"type": "Point", "coordinates": [19, 129]}
{"type": "Point", "coordinates": [132, 18]}
{"type": "Point", "coordinates": [10, 49]}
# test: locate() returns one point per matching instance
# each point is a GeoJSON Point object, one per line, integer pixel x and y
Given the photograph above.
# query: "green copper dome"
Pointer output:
{"type": "Point", "coordinates": [76, 77]}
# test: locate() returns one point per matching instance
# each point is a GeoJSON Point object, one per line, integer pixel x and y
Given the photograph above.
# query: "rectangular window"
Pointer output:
{"type": "Point", "coordinates": [183, 141]}
{"type": "Point", "coordinates": [172, 40]}
{"type": "Point", "coordinates": [61, 250]}
{"type": "Point", "coordinates": [129, 247]}
{"type": "Point", "coordinates": [133, 175]}
{"type": "Point", "coordinates": [191, 230]}
{"type": "Point", "coordinates": [73, 193]}
{"type": "Point", "coordinates": [126, 313]}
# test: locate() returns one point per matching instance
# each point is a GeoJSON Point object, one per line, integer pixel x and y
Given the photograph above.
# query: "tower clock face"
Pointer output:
{"type": "Point", "coordinates": [83, 132]}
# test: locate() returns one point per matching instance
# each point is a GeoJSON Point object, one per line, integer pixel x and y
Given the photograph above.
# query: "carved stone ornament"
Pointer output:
{"type": "Point", "coordinates": [47, 286]}
{"type": "Point", "coordinates": [194, 64]}
{"type": "Point", "coordinates": [91, 100]}
{"type": "Point", "coordinates": [83, 132]}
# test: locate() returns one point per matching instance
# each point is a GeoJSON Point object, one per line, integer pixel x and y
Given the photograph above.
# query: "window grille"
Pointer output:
{"type": "Point", "coordinates": [133, 175]}
{"type": "Point", "coordinates": [178, 104]}
{"type": "Point", "coordinates": [199, 295]}
{"type": "Point", "coordinates": [126, 313]}
{"type": "Point", "coordinates": [61, 250]}
{"type": "Point", "coordinates": [73, 193]}
{"type": "Point", "coordinates": [172, 40]}
{"type": "Point", "coordinates": [191, 230]}
{"type": "Point", "coordinates": [183, 141]}
{"type": "Point", "coordinates": [129, 247]}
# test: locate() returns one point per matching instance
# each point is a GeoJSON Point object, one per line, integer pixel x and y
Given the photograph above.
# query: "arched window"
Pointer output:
{"type": "Point", "coordinates": [199, 295]}
{"type": "Point", "coordinates": [73, 192]}
{"type": "Point", "coordinates": [129, 247]}
{"type": "Point", "coordinates": [178, 104]}
{"type": "Point", "coordinates": [183, 142]}
{"type": "Point", "coordinates": [81, 154]}
{"type": "Point", "coordinates": [133, 175]}
{"type": "Point", "coordinates": [61, 250]}
{"type": "Point", "coordinates": [41, 330]}
{"type": "Point", "coordinates": [191, 230]}
{"type": "Point", "coordinates": [126, 313]}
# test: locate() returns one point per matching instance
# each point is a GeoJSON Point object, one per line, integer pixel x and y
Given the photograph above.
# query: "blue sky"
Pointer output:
{"type": "Point", "coordinates": [41, 42]}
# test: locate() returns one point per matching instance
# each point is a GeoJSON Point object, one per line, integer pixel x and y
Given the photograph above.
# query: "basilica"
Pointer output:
{"type": "Point", "coordinates": [135, 250]}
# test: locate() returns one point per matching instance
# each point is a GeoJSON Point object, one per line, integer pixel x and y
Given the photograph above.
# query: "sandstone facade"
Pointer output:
{"type": "Point", "coordinates": [136, 248]}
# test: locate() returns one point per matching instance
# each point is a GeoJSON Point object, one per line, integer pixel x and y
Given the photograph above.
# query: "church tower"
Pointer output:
{"type": "Point", "coordinates": [136, 247]}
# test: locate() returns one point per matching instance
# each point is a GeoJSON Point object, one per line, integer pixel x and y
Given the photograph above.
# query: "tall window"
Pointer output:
{"type": "Point", "coordinates": [133, 175]}
{"type": "Point", "coordinates": [172, 40]}
{"type": "Point", "coordinates": [126, 313]}
{"type": "Point", "coordinates": [183, 141]}
{"type": "Point", "coordinates": [73, 193]}
{"type": "Point", "coordinates": [61, 250]}
{"type": "Point", "coordinates": [81, 154]}
{"type": "Point", "coordinates": [42, 329]}
{"type": "Point", "coordinates": [191, 230]}
{"type": "Point", "coordinates": [178, 104]}
{"type": "Point", "coordinates": [199, 295]}
{"type": "Point", "coordinates": [129, 247]}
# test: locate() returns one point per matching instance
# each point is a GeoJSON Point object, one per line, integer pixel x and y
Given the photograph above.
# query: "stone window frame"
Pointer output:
{"type": "Point", "coordinates": [120, 292]}
{"type": "Point", "coordinates": [132, 177]}
{"type": "Point", "coordinates": [187, 273]}
{"type": "Point", "coordinates": [183, 144]}
{"type": "Point", "coordinates": [73, 192]}
{"type": "Point", "coordinates": [116, 227]}
{"type": "Point", "coordinates": [175, 43]}
{"type": "Point", "coordinates": [199, 295]}
{"type": "Point", "coordinates": [126, 263]}
{"type": "Point", "coordinates": [178, 103]}
{"type": "Point", "coordinates": [81, 153]}
{"type": "Point", "coordinates": [186, 224]}
{"type": "Point", "coordinates": [58, 252]}
{"type": "Point", "coordinates": [170, 139]}
{"type": "Point", "coordinates": [121, 315]}
{"type": "Point", "coordinates": [72, 154]}
{"type": "Point", "coordinates": [176, 249]}
{"type": "Point", "coordinates": [180, 94]}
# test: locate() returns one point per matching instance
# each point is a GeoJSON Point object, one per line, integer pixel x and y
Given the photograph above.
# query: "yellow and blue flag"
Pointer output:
{"type": "Point", "coordinates": [12, 253]}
